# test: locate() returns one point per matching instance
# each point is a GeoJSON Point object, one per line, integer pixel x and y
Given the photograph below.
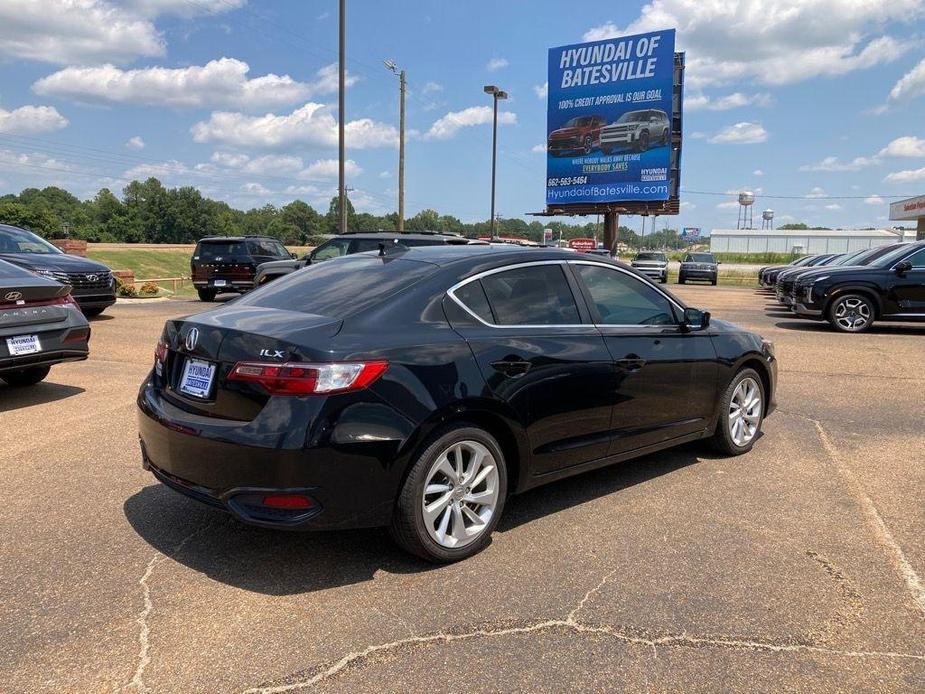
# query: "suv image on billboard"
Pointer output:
{"type": "Point", "coordinates": [229, 263]}
{"type": "Point", "coordinates": [579, 134]}
{"type": "Point", "coordinates": [637, 130]}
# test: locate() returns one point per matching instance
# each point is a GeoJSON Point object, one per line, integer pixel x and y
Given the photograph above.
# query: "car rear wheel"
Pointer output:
{"type": "Point", "coordinates": [206, 294]}
{"type": "Point", "coordinates": [25, 377]}
{"type": "Point", "coordinates": [853, 313]}
{"type": "Point", "coordinates": [453, 496]}
{"type": "Point", "coordinates": [92, 312]}
{"type": "Point", "coordinates": [586, 144]}
{"type": "Point", "coordinates": [643, 143]}
{"type": "Point", "coordinates": [741, 414]}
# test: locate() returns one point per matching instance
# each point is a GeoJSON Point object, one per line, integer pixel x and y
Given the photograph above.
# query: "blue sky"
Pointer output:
{"type": "Point", "coordinates": [811, 98]}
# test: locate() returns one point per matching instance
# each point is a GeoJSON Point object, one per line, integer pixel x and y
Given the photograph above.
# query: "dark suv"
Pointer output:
{"type": "Point", "coordinates": [91, 282]}
{"type": "Point", "coordinates": [698, 266]}
{"type": "Point", "coordinates": [229, 263]}
{"type": "Point", "coordinates": [354, 242]}
{"type": "Point", "coordinates": [851, 298]}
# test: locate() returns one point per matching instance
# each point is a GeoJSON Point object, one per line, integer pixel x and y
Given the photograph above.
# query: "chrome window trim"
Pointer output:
{"type": "Point", "coordinates": [451, 292]}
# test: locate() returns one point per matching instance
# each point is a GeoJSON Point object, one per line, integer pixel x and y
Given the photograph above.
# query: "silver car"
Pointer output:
{"type": "Point", "coordinates": [638, 130]}
{"type": "Point", "coordinates": [652, 264]}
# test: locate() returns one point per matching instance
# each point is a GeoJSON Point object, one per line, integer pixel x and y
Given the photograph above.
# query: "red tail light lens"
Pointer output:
{"type": "Point", "coordinates": [160, 356]}
{"type": "Point", "coordinates": [294, 378]}
{"type": "Point", "coordinates": [288, 501]}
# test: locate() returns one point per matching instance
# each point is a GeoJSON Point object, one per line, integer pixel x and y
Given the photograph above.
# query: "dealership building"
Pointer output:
{"type": "Point", "coordinates": [806, 240]}
{"type": "Point", "coordinates": [911, 209]}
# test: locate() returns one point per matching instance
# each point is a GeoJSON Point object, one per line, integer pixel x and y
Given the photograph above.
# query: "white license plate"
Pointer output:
{"type": "Point", "coordinates": [197, 378]}
{"type": "Point", "coordinates": [23, 344]}
{"type": "Point", "coordinates": [218, 283]}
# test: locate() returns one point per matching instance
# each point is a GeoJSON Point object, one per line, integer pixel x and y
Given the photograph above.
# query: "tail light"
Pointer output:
{"type": "Point", "coordinates": [294, 378]}
{"type": "Point", "coordinates": [67, 301]}
{"type": "Point", "coordinates": [160, 356]}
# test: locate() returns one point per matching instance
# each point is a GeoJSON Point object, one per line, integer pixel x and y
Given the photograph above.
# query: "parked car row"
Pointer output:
{"type": "Point", "coordinates": [694, 266]}
{"type": "Point", "coordinates": [852, 291]}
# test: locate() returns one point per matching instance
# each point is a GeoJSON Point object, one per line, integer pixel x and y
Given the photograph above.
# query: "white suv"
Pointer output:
{"type": "Point", "coordinates": [638, 130]}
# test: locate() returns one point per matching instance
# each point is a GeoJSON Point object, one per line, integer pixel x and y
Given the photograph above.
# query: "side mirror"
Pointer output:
{"type": "Point", "coordinates": [903, 267]}
{"type": "Point", "coordinates": [293, 256]}
{"type": "Point", "coordinates": [695, 319]}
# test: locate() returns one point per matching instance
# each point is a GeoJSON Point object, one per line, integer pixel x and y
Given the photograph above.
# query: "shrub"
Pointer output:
{"type": "Point", "coordinates": [149, 289]}
{"type": "Point", "coordinates": [124, 289]}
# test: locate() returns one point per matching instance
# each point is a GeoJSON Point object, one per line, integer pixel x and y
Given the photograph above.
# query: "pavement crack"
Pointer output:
{"type": "Point", "coordinates": [878, 526]}
{"type": "Point", "coordinates": [137, 682]}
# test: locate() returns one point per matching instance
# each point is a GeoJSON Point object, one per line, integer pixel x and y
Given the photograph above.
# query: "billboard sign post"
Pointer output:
{"type": "Point", "coordinates": [609, 120]}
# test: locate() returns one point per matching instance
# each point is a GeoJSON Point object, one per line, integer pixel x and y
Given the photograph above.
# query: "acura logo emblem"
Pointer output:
{"type": "Point", "coordinates": [13, 296]}
{"type": "Point", "coordinates": [192, 337]}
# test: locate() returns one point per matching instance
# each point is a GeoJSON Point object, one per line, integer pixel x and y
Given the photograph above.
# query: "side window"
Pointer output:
{"type": "Point", "coordinates": [532, 295]}
{"type": "Point", "coordinates": [331, 249]}
{"type": "Point", "coordinates": [917, 259]}
{"type": "Point", "coordinates": [621, 299]}
{"type": "Point", "coordinates": [363, 245]}
{"type": "Point", "coordinates": [473, 296]}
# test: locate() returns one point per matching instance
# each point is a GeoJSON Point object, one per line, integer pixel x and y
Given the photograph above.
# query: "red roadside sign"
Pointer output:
{"type": "Point", "coordinates": [582, 245]}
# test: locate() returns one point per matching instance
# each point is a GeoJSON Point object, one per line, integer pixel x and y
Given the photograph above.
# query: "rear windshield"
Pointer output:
{"type": "Point", "coordinates": [339, 287]}
{"type": "Point", "coordinates": [211, 250]}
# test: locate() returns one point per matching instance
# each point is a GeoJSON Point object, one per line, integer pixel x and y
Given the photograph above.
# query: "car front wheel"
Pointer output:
{"type": "Point", "coordinates": [453, 496]}
{"type": "Point", "coordinates": [25, 377]}
{"type": "Point", "coordinates": [741, 414]}
{"type": "Point", "coordinates": [206, 294]}
{"type": "Point", "coordinates": [853, 313]}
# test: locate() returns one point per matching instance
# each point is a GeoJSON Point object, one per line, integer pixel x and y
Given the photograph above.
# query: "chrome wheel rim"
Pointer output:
{"type": "Point", "coordinates": [744, 411]}
{"type": "Point", "coordinates": [852, 313]}
{"type": "Point", "coordinates": [460, 494]}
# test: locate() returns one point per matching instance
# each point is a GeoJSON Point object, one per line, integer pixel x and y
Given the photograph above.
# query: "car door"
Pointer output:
{"type": "Point", "coordinates": [665, 375]}
{"type": "Point", "coordinates": [539, 353]}
{"type": "Point", "coordinates": [906, 291]}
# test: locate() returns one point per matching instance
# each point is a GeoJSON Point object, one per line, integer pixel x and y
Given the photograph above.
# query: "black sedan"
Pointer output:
{"type": "Point", "coordinates": [92, 284]}
{"type": "Point", "coordinates": [418, 388]}
{"type": "Point", "coordinates": [40, 325]}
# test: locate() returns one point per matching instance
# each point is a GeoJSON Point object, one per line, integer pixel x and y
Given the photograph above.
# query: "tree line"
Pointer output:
{"type": "Point", "coordinates": [148, 212]}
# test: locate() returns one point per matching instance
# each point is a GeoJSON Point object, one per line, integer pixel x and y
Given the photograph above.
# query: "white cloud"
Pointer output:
{"type": "Point", "coordinates": [135, 142]}
{"type": "Point", "coordinates": [496, 64]}
{"type": "Point", "coordinates": [164, 171]}
{"type": "Point", "coordinates": [906, 146]}
{"type": "Point", "coordinates": [276, 165]}
{"type": "Point", "coordinates": [327, 168]}
{"type": "Point", "coordinates": [541, 90]}
{"type": "Point", "coordinates": [911, 84]}
{"type": "Point", "coordinates": [817, 192]}
{"type": "Point", "coordinates": [76, 31]}
{"type": "Point", "coordinates": [222, 82]}
{"type": "Point", "coordinates": [432, 87]}
{"type": "Point", "coordinates": [773, 41]}
{"type": "Point", "coordinates": [833, 206]}
{"type": "Point", "coordinates": [538, 149]}
{"type": "Point", "coordinates": [832, 164]}
{"type": "Point", "coordinates": [906, 175]}
{"type": "Point", "coordinates": [385, 174]}
{"type": "Point", "coordinates": [697, 102]}
{"type": "Point", "coordinates": [27, 120]}
{"type": "Point", "coordinates": [757, 172]}
{"type": "Point", "coordinates": [728, 205]}
{"type": "Point", "coordinates": [447, 126]}
{"type": "Point", "coordinates": [741, 134]}
{"type": "Point", "coordinates": [255, 189]}
{"type": "Point", "coordinates": [182, 8]}
{"type": "Point", "coordinates": [874, 200]}
{"type": "Point", "coordinates": [311, 124]}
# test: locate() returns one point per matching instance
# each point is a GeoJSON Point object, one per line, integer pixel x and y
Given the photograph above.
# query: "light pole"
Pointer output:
{"type": "Point", "coordinates": [496, 95]}
{"type": "Point", "coordinates": [390, 65]}
{"type": "Point", "coordinates": [341, 88]}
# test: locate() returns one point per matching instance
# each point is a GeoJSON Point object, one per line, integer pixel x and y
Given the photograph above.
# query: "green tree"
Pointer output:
{"type": "Point", "coordinates": [330, 220]}
{"type": "Point", "coordinates": [38, 219]}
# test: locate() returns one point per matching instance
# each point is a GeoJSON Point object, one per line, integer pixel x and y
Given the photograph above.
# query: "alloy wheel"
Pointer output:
{"type": "Point", "coordinates": [460, 494]}
{"type": "Point", "coordinates": [745, 411]}
{"type": "Point", "coordinates": [852, 314]}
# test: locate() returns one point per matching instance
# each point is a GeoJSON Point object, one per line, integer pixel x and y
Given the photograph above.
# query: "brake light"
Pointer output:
{"type": "Point", "coordinates": [294, 378]}
{"type": "Point", "coordinates": [288, 501]}
{"type": "Point", "coordinates": [160, 356]}
{"type": "Point", "coordinates": [67, 301]}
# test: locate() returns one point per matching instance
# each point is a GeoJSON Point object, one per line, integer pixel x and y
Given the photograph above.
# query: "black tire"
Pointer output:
{"type": "Point", "coordinates": [663, 280]}
{"type": "Point", "coordinates": [665, 137]}
{"type": "Point", "coordinates": [852, 313]}
{"type": "Point", "coordinates": [25, 377]}
{"type": "Point", "coordinates": [722, 437]}
{"type": "Point", "coordinates": [642, 144]}
{"type": "Point", "coordinates": [681, 279]}
{"type": "Point", "coordinates": [586, 145]}
{"type": "Point", "coordinates": [92, 312]}
{"type": "Point", "coordinates": [206, 294]}
{"type": "Point", "coordinates": [408, 525]}
{"type": "Point", "coordinates": [713, 281]}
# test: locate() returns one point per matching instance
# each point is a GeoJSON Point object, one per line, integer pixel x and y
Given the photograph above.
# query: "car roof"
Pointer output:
{"type": "Point", "coordinates": [416, 235]}
{"type": "Point", "coordinates": [444, 255]}
{"type": "Point", "coordinates": [227, 239]}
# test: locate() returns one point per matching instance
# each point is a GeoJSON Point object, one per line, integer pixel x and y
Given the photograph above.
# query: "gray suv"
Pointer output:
{"type": "Point", "coordinates": [638, 130]}
{"type": "Point", "coordinates": [350, 243]}
{"type": "Point", "coordinates": [698, 266]}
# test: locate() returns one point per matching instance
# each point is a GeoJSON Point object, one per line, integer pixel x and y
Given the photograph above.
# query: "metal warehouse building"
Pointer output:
{"type": "Point", "coordinates": [803, 241]}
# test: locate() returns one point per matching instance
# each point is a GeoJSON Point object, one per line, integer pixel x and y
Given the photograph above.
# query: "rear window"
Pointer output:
{"type": "Point", "coordinates": [339, 287]}
{"type": "Point", "coordinates": [214, 250]}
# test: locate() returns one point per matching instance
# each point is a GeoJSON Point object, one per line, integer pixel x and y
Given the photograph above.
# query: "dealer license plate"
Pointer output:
{"type": "Point", "coordinates": [23, 344]}
{"type": "Point", "coordinates": [218, 283]}
{"type": "Point", "coordinates": [197, 378]}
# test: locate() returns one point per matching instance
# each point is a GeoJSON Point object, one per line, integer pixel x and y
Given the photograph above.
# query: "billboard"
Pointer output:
{"type": "Point", "coordinates": [609, 120]}
{"type": "Point", "coordinates": [690, 233]}
{"type": "Point", "coordinates": [912, 208]}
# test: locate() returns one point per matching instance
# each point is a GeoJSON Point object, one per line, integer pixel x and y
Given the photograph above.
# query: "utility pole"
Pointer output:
{"type": "Point", "coordinates": [390, 64]}
{"type": "Point", "coordinates": [496, 95]}
{"type": "Point", "coordinates": [341, 88]}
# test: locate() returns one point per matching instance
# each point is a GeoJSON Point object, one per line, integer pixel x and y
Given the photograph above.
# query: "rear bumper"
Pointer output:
{"type": "Point", "coordinates": [228, 465]}
{"type": "Point", "coordinates": [232, 285]}
{"type": "Point", "coordinates": [93, 301]}
{"type": "Point", "coordinates": [42, 359]}
{"type": "Point", "coordinates": [68, 341]}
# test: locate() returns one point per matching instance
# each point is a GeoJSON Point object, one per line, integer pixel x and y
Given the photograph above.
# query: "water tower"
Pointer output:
{"type": "Point", "coordinates": [746, 201]}
{"type": "Point", "coordinates": [767, 219]}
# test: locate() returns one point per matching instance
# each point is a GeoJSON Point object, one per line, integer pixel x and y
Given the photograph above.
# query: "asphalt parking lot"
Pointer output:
{"type": "Point", "coordinates": [800, 566]}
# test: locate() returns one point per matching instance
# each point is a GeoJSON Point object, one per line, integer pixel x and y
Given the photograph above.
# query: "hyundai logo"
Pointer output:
{"type": "Point", "coordinates": [192, 337]}
{"type": "Point", "coordinates": [92, 278]}
{"type": "Point", "coordinates": [13, 296]}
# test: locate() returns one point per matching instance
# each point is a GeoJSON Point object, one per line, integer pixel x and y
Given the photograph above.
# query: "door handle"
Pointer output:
{"type": "Point", "coordinates": [512, 368]}
{"type": "Point", "coordinates": [631, 363]}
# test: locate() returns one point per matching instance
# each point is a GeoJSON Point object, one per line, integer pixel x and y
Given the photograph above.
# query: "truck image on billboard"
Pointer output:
{"type": "Point", "coordinates": [608, 123]}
